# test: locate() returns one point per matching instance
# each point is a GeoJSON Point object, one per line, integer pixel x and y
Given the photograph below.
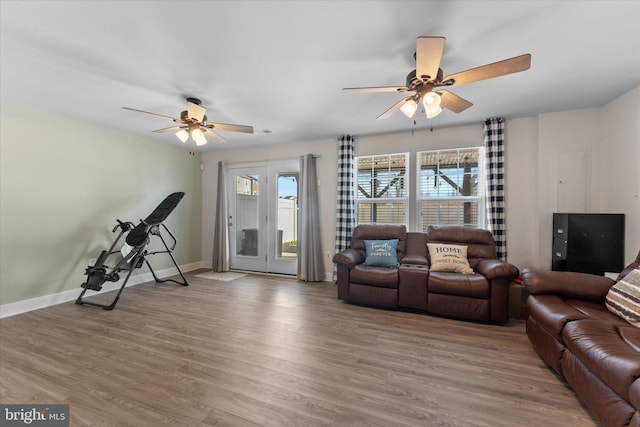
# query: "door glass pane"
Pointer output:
{"type": "Point", "coordinates": [247, 215]}
{"type": "Point", "coordinates": [287, 232]}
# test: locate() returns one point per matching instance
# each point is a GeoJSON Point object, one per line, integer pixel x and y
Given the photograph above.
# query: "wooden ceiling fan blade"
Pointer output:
{"type": "Point", "coordinates": [395, 107]}
{"type": "Point", "coordinates": [153, 114]}
{"type": "Point", "coordinates": [196, 112]}
{"type": "Point", "coordinates": [428, 55]}
{"type": "Point", "coordinates": [230, 127]}
{"type": "Point", "coordinates": [377, 89]}
{"type": "Point", "coordinates": [169, 129]}
{"type": "Point", "coordinates": [497, 69]}
{"type": "Point", "coordinates": [217, 139]}
{"type": "Point", "coordinates": [453, 102]}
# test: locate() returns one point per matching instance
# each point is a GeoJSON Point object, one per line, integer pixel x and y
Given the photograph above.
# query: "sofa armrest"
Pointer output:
{"type": "Point", "coordinates": [495, 268]}
{"type": "Point", "coordinates": [349, 258]}
{"type": "Point", "coordinates": [568, 284]}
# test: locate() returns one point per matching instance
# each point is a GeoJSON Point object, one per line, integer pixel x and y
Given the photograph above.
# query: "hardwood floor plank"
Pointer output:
{"type": "Point", "coordinates": [273, 351]}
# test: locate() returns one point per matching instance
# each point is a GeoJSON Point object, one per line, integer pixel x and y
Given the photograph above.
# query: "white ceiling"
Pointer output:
{"type": "Point", "coordinates": [281, 65]}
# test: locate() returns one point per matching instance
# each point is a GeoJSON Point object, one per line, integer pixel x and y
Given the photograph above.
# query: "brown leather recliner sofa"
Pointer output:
{"type": "Point", "coordinates": [594, 350]}
{"type": "Point", "coordinates": [481, 296]}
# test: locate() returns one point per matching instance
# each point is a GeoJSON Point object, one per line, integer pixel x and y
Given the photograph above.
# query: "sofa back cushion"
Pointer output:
{"type": "Point", "coordinates": [623, 299]}
{"type": "Point", "coordinates": [379, 232]}
{"type": "Point", "coordinates": [480, 243]}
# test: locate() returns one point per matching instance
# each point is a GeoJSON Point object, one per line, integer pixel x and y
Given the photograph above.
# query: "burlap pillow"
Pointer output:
{"type": "Point", "coordinates": [445, 257]}
{"type": "Point", "coordinates": [623, 298]}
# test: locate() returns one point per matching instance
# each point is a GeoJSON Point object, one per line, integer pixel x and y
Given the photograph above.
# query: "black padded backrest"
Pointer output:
{"type": "Point", "coordinates": [139, 234]}
{"type": "Point", "coordinates": [163, 210]}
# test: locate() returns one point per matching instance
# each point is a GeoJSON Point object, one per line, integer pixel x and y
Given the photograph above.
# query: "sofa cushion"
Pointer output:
{"type": "Point", "coordinates": [447, 257]}
{"type": "Point", "coordinates": [623, 299]}
{"type": "Point", "coordinates": [601, 347]}
{"type": "Point", "coordinates": [374, 276]}
{"type": "Point", "coordinates": [634, 393]}
{"type": "Point", "coordinates": [379, 232]}
{"type": "Point", "coordinates": [381, 253]}
{"type": "Point", "coordinates": [480, 243]}
{"type": "Point", "coordinates": [552, 313]}
{"type": "Point", "coordinates": [463, 285]}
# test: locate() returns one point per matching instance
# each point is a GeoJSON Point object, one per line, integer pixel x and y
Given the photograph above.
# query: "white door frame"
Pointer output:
{"type": "Point", "coordinates": [267, 258]}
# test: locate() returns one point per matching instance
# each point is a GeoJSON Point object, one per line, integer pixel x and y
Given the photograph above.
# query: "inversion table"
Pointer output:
{"type": "Point", "coordinates": [133, 253]}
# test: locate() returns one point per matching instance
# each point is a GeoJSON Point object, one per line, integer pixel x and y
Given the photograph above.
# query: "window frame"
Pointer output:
{"type": "Point", "coordinates": [479, 198]}
{"type": "Point", "coordinates": [404, 200]}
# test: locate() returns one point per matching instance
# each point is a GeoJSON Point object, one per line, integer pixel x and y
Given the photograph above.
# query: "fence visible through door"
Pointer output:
{"type": "Point", "coordinates": [263, 216]}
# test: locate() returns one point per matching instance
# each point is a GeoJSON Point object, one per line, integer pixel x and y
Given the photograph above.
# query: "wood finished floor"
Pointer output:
{"type": "Point", "coordinates": [270, 351]}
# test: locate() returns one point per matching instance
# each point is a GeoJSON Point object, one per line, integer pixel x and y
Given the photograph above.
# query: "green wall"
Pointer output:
{"type": "Point", "coordinates": [63, 183]}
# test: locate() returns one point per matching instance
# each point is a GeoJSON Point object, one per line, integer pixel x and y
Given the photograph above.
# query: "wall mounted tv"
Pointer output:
{"type": "Point", "coordinates": [588, 243]}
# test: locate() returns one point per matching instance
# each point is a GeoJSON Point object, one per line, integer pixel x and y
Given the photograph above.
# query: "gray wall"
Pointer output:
{"type": "Point", "coordinates": [63, 183]}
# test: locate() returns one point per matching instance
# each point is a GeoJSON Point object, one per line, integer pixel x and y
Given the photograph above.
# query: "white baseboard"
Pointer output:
{"type": "Point", "coordinates": [11, 309]}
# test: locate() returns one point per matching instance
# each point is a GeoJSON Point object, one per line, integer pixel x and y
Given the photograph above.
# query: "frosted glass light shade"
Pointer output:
{"type": "Point", "coordinates": [431, 99]}
{"type": "Point", "coordinates": [431, 102]}
{"type": "Point", "coordinates": [432, 111]}
{"type": "Point", "coordinates": [183, 135]}
{"type": "Point", "coordinates": [198, 137]}
{"type": "Point", "coordinates": [409, 108]}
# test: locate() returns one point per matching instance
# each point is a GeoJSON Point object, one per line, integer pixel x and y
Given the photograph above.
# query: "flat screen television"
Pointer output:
{"type": "Point", "coordinates": [588, 243]}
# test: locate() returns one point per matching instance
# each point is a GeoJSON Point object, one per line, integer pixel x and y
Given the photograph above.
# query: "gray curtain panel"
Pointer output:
{"type": "Point", "coordinates": [221, 230]}
{"type": "Point", "coordinates": [310, 261]}
{"type": "Point", "coordinates": [494, 146]}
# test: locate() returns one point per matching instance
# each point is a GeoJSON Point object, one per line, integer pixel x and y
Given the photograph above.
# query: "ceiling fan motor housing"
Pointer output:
{"type": "Point", "coordinates": [184, 116]}
{"type": "Point", "coordinates": [414, 81]}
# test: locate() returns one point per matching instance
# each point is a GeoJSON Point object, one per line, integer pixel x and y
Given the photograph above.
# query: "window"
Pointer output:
{"type": "Point", "coordinates": [450, 187]}
{"type": "Point", "coordinates": [381, 193]}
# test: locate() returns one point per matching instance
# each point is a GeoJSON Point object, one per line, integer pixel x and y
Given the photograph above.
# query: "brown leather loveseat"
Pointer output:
{"type": "Point", "coordinates": [593, 349]}
{"type": "Point", "coordinates": [414, 284]}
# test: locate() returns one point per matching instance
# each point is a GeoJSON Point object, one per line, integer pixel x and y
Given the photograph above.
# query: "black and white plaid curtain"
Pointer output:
{"type": "Point", "coordinates": [494, 146]}
{"type": "Point", "coordinates": [346, 210]}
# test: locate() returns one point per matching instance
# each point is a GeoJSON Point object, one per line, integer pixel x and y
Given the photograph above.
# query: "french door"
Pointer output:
{"type": "Point", "coordinates": [263, 216]}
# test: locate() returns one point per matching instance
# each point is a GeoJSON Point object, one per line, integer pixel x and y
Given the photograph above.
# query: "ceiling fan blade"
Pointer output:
{"type": "Point", "coordinates": [153, 114]}
{"type": "Point", "coordinates": [395, 107]}
{"type": "Point", "coordinates": [453, 102]}
{"type": "Point", "coordinates": [377, 89]}
{"type": "Point", "coordinates": [230, 127]}
{"type": "Point", "coordinates": [428, 54]}
{"type": "Point", "coordinates": [196, 112]}
{"type": "Point", "coordinates": [497, 69]}
{"type": "Point", "coordinates": [213, 136]}
{"type": "Point", "coordinates": [169, 129]}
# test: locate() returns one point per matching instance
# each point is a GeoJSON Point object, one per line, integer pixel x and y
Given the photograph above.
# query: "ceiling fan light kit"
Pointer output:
{"type": "Point", "coordinates": [198, 137]}
{"type": "Point", "coordinates": [409, 107]}
{"type": "Point", "coordinates": [183, 135]}
{"type": "Point", "coordinates": [193, 123]}
{"type": "Point", "coordinates": [431, 102]}
{"type": "Point", "coordinates": [428, 75]}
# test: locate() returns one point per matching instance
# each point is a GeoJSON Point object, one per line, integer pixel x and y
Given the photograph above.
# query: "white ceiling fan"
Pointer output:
{"type": "Point", "coordinates": [193, 123]}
